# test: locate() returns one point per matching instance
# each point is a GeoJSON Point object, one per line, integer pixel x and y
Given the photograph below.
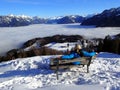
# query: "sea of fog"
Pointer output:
{"type": "Point", "coordinates": [15, 37]}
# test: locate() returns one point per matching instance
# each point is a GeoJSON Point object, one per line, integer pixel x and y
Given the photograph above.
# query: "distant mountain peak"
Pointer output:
{"type": "Point", "coordinates": [23, 20]}
{"type": "Point", "coordinates": [108, 18]}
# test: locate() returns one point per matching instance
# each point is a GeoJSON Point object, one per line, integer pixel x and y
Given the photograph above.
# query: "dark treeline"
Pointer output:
{"type": "Point", "coordinates": [109, 44]}
{"type": "Point", "coordinates": [15, 53]}
{"type": "Point", "coordinates": [40, 49]}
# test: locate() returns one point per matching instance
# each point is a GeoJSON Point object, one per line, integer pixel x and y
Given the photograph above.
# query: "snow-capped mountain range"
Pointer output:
{"type": "Point", "coordinates": [109, 18]}
{"type": "Point", "coordinates": [22, 20]}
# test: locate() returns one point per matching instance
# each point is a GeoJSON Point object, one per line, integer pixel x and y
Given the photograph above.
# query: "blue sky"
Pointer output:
{"type": "Point", "coordinates": [50, 8]}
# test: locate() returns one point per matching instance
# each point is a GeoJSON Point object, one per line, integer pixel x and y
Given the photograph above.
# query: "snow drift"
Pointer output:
{"type": "Point", "coordinates": [34, 73]}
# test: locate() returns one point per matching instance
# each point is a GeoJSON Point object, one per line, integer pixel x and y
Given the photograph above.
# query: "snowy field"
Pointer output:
{"type": "Point", "coordinates": [14, 37]}
{"type": "Point", "coordinates": [34, 74]}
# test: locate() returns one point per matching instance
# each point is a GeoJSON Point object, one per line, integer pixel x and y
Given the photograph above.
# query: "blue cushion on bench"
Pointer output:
{"type": "Point", "coordinates": [76, 63]}
{"type": "Point", "coordinates": [88, 54]}
{"type": "Point", "coordinates": [71, 56]}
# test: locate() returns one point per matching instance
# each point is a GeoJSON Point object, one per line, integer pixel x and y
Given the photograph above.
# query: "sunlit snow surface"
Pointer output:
{"type": "Point", "coordinates": [14, 37]}
{"type": "Point", "coordinates": [34, 73]}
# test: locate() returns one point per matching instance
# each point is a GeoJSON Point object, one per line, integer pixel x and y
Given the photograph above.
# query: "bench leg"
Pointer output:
{"type": "Point", "coordinates": [87, 69]}
{"type": "Point", "coordinates": [57, 69]}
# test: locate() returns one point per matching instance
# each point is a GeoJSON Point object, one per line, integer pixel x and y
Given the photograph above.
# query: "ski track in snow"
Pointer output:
{"type": "Point", "coordinates": [34, 73]}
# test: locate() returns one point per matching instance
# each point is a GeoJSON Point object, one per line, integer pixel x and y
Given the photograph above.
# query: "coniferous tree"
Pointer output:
{"type": "Point", "coordinates": [100, 46]}
{"type": "Point", "coordinates": [115, 46]}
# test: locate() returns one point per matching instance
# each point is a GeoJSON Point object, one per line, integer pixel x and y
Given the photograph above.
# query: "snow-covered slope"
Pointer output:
{"type": "Point", "coordinates": [61, 46]}
{"type": "Point", "coordinates": [34, 73]}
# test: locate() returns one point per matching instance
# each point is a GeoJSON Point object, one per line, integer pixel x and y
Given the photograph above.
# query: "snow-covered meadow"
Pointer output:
{"type": "Point", "coordinates": [14, 37]}
{"type": "Point", "coordinates": [34, 74]}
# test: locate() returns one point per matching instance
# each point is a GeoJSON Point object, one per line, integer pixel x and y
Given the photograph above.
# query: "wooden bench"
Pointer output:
{"type": "Point", "coordinates": [56, 64]}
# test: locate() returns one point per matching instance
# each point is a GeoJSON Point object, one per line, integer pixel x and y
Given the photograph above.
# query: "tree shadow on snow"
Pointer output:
{"type": "Point", "coordinates": [82, 81]}
{"type": "Point", "coordinates": [42, 68]}
{"type": "Point", "coordinates": [108, 55]}
{"type": "Point", "coordinates": [31, 72]}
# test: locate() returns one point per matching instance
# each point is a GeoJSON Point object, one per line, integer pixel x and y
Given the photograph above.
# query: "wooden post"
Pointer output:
{"type": "Point", "coordinates": [87, 69]}
{"type": "Point", "coordinates": [89, 64]}
{"type": "Point", "coordinates": [57, 69]}
{"type": "Point", "coordinates": [68, 48]}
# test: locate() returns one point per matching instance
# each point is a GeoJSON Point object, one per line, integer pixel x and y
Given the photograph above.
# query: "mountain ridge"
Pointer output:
{"type": "Point", "coordinates": [108, 18]}
{"type": "Point", "coordinates": [22, 20]}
